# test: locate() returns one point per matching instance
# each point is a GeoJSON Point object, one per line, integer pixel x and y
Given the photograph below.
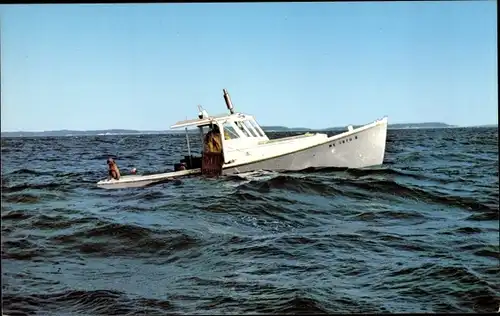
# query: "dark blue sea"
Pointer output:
{"type": "Point", "coordinates": [418, 234]}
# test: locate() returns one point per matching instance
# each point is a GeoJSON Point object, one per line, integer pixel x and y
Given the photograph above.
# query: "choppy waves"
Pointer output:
{"type": "Point", "coordinates": [419, 234]}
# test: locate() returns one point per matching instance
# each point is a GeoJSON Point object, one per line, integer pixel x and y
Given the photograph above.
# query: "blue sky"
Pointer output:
{"type": "Point", "coordinates": [296, 64]}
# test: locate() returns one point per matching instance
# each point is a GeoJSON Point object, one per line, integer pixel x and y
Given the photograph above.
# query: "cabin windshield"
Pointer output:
{"type": "Point", "coordinates": [229, 131]}
{"type": "Point", "coordinates": [243, 129]}
{"type": "Point", "coordinates": [251, 129]}
{"type": "Point", "coordinates": [238, 129]}
{"type": "Point", "coordinates": [257, 128]}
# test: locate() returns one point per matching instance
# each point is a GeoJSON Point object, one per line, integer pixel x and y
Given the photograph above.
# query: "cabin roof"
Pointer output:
{"type": "Point", "coordinates": [205, 121]}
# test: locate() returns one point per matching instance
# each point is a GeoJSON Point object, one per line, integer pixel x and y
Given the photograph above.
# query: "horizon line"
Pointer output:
{"type": "Point", "coordinates": [263, 126]}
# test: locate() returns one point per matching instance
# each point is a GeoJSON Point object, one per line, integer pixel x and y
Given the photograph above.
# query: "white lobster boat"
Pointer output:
{"type": "Point", "coordinates": [248, 149]}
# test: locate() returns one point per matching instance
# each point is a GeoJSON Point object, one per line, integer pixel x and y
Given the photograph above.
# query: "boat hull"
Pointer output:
{"type": "Point", "coordinates": [138, 181]}
{"type": "Point", "coordinates": [357, 149]}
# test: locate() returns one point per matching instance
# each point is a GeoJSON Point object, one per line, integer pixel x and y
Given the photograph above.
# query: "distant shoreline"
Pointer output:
{"type": "Point", "coordinates": [267, 129]}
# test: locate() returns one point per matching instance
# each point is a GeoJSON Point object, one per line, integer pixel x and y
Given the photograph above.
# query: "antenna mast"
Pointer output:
{"type": "Point", "coordinates": [229, 104]}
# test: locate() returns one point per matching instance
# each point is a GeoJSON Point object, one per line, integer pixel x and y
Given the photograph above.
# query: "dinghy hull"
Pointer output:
{"type": "Point", "coordinates": [138, 181]}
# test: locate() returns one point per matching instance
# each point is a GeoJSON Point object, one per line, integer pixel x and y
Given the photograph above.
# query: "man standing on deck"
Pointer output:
{"type": "Point", "coordinates": [213, 159]}
{"type": "Point", "coordinates": [212, 141]}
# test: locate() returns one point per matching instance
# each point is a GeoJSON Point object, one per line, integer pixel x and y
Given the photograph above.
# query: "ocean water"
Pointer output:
{"type": "Point", "coordinates": [418, 234]}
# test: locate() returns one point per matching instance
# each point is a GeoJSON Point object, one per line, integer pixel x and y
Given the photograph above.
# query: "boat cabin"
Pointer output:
{"type": "Point", "coordinates": [237, 131]}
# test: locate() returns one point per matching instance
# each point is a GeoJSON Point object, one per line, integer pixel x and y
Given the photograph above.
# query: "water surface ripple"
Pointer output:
{"type": "Point", "coordinates": [419, 234]}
